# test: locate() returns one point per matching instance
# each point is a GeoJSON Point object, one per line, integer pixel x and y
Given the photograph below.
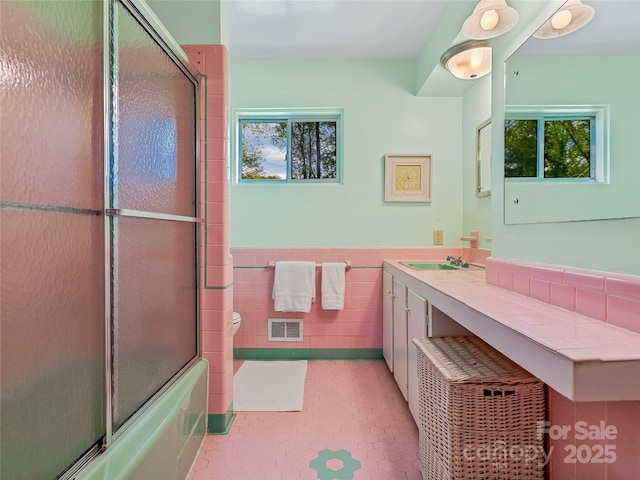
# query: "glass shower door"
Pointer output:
{"type": "Point", "coordinates": [52, 350]}
{"type": "Point", "coordinates": [153, 224]}
{"type": "Point", "coordinates": [98, 254]}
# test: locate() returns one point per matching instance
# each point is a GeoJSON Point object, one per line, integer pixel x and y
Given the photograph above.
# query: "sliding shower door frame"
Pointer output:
{"type": "Point", "coordinates": [107, 8]}
{"type": "Point", "coordinates": [152, 25]}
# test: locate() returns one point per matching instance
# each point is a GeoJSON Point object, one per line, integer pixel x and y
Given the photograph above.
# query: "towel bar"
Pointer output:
{"type": "Point", "coordinates": [272, 264]}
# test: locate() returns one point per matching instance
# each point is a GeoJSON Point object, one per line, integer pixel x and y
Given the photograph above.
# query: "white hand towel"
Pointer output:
{"type": "Point", "coordinates": [333, 285]}
{"type": "Point", "coordinates": [294, 286]}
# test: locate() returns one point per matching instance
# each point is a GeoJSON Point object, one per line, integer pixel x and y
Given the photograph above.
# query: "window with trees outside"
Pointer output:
{"type": "Point", "coordinates": [550, 146]}
{"type": "Point", "coordinates": [295, 146]}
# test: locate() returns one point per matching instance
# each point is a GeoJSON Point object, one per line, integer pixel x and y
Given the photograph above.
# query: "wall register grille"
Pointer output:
{"type": "Point", "coordinates": [285, 330]}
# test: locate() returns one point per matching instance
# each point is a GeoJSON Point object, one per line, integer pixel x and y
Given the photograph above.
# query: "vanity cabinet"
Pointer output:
{"type": "Point", "coordinates": [407, 315]}
{"type": "Point", "coordinates": [387, 318]}
{"type": "Point", "coordinates": [410, 320]}
{"type": "Point", "coordinates": [400, 336]}
{"type": "Point", "coordinates": [417, 321]}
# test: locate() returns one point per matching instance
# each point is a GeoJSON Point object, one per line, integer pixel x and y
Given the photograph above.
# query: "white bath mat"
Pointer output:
{"type": "Point", "coordinates": [270, 386]}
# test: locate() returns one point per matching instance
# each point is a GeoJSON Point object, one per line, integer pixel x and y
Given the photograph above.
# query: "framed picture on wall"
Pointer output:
{"type": "Point", "coordinates": [407, 178]}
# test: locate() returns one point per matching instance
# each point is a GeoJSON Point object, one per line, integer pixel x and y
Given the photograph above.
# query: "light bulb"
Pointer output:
{"type": "Point", "coordinates": [561, 19]}
{"type": "Point", "coordinates": [489, 20]}
{"type": "Point", "coordinates": [476, 60]}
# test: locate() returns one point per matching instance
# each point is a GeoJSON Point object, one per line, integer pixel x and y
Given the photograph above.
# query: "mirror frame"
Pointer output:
{"type": "Point", "coordinates": [483, 159]}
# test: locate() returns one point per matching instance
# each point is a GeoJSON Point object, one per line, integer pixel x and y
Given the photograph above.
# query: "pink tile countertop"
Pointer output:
{"type": "Point", "coordinates": [583, 358]}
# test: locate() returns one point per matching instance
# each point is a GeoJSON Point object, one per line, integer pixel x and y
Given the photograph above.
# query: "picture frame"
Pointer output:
{"type": "Point", "coordinates": [407, 178]}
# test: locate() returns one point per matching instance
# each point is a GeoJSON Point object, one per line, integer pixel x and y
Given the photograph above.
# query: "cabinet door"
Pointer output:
{"type": "Point", "coordinates": [400, 336]}
{"type": "Point", "coordinates": [387, 318]}
{"type": "Point", "coordinates": [416, 328]}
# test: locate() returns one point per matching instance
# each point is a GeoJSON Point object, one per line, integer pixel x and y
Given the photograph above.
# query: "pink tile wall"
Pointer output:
{"type": "Point", "coordinates": [607, 297]}
{"type": "Point", "coordinates": [620, 460]}
{"type": "Point", "coordinates": [610, 297]}
{"type": "Point", "coordinates": [359, 325]}
{"type": "Point", "coordinates": [216, 295]}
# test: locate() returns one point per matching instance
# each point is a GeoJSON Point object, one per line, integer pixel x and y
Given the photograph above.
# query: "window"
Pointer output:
{"type": "Point", "coordinates": [295, 146]}
{"type": "Point", "coordinates": [550, 146]}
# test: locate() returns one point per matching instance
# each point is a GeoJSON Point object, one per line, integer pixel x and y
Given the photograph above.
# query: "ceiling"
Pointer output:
{"type": "Point", "coordinates": [330, 29]}
{"type": "Point", "coordinates": [351, 29]}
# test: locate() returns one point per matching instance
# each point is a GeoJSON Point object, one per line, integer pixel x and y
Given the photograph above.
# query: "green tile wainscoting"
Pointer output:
{"type": "Point", "coordinates": [307, 354]}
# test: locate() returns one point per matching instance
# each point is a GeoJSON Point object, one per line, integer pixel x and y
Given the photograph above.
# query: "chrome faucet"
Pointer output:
{"type": "Point", "coordinates": [454, 261]}
{"type": "Point", "coordinates": [458, 262]}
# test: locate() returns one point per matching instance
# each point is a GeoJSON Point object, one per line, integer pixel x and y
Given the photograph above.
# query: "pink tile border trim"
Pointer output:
{"type": "Point", "coordinates": [609, 297]}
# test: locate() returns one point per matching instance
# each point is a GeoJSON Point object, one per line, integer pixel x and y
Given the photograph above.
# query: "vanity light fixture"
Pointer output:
{"type": "Point", "coordinates": [572, 16]}
{"type": "Point", "coordinates": [469, 60]}
{"type": "Point", "coordinates": [489, 19]}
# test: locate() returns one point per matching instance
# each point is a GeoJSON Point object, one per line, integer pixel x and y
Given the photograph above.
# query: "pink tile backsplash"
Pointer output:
{"type": "Point", "coordinates": [505, 280]}
{"type": "Point", "coordinates": [591, 303]}
{"type": "Point", "coordinates": [623, 285]}
{"type": "Point", "coordinates": [548, 274]}
{"type": "Point", "coordinates": [521, 285]}
{"type": "Point", "coordinates": [563, 296]}
{"type": "Point", "coordinates": [610, 297]}
{"type": "Point", "coordinates": [475, 255]}
{"type": "Point", "coordinates": [539, 289]}
{"type": "Point", "coordinates": [584, 280]}
{"type": "Point", "coordinates": [624, 311]}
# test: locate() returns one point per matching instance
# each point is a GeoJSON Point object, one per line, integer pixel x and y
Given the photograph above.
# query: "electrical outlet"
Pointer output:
{"type": "Point", "coordinates": [438, 237]}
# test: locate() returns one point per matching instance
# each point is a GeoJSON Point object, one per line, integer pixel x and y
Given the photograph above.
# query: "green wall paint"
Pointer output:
{"type": "Point", "coordinates": [193, 22]}
{"type": "Point", "coordinates": [431, 78]}
{"type": "Point", "coordinates": [381, 115]}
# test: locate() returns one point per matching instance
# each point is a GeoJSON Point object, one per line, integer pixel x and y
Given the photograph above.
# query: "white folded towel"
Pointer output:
{"type": "Point", "coordinates": [333, 285]}
{"type": "Point", "coordinates": [294, 286]}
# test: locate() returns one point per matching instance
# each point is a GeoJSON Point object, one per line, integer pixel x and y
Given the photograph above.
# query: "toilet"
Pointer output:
{"type": "Point", "coordinates": [236, 322]}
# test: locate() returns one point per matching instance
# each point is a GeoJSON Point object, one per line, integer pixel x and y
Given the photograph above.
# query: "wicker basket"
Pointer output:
{"type": "Point", "coordinates": [479, 413]}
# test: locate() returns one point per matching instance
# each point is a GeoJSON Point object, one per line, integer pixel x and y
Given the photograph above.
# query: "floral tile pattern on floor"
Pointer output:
{"type": "Point", "coordinates": [353, 413]}
{"type": "Point", "coordinates": [338, 465]}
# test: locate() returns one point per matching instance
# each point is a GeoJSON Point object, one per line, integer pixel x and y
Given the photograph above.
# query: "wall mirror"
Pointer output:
{"type": "Point", "coordinates": [587, 83]}
{"type": "Point", "coordinates": [483, 159]}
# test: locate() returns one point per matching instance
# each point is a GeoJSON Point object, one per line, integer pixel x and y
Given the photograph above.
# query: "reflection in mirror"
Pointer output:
{"type": "Point", "coordinates": [573, 102]}
{"type": "Point", "coordinates": [483, 159]}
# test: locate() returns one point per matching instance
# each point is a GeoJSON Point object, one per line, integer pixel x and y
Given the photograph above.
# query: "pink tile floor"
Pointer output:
{"type": "Point", "coordinates": [352, 410]}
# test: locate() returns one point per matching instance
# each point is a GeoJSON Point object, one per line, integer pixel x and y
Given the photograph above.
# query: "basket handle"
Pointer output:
{"type": "Point", "coordinates": [498, 393]}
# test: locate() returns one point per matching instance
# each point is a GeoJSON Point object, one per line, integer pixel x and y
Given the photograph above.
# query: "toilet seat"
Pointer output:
{"type": "Point", "coordinates": [236, 322]}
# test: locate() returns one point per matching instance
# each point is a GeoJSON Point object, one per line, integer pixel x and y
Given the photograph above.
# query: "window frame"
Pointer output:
{"type": "Point", "coordinates": [270, 115]}
{"type": "Point", "coordinates": [599, 117]}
